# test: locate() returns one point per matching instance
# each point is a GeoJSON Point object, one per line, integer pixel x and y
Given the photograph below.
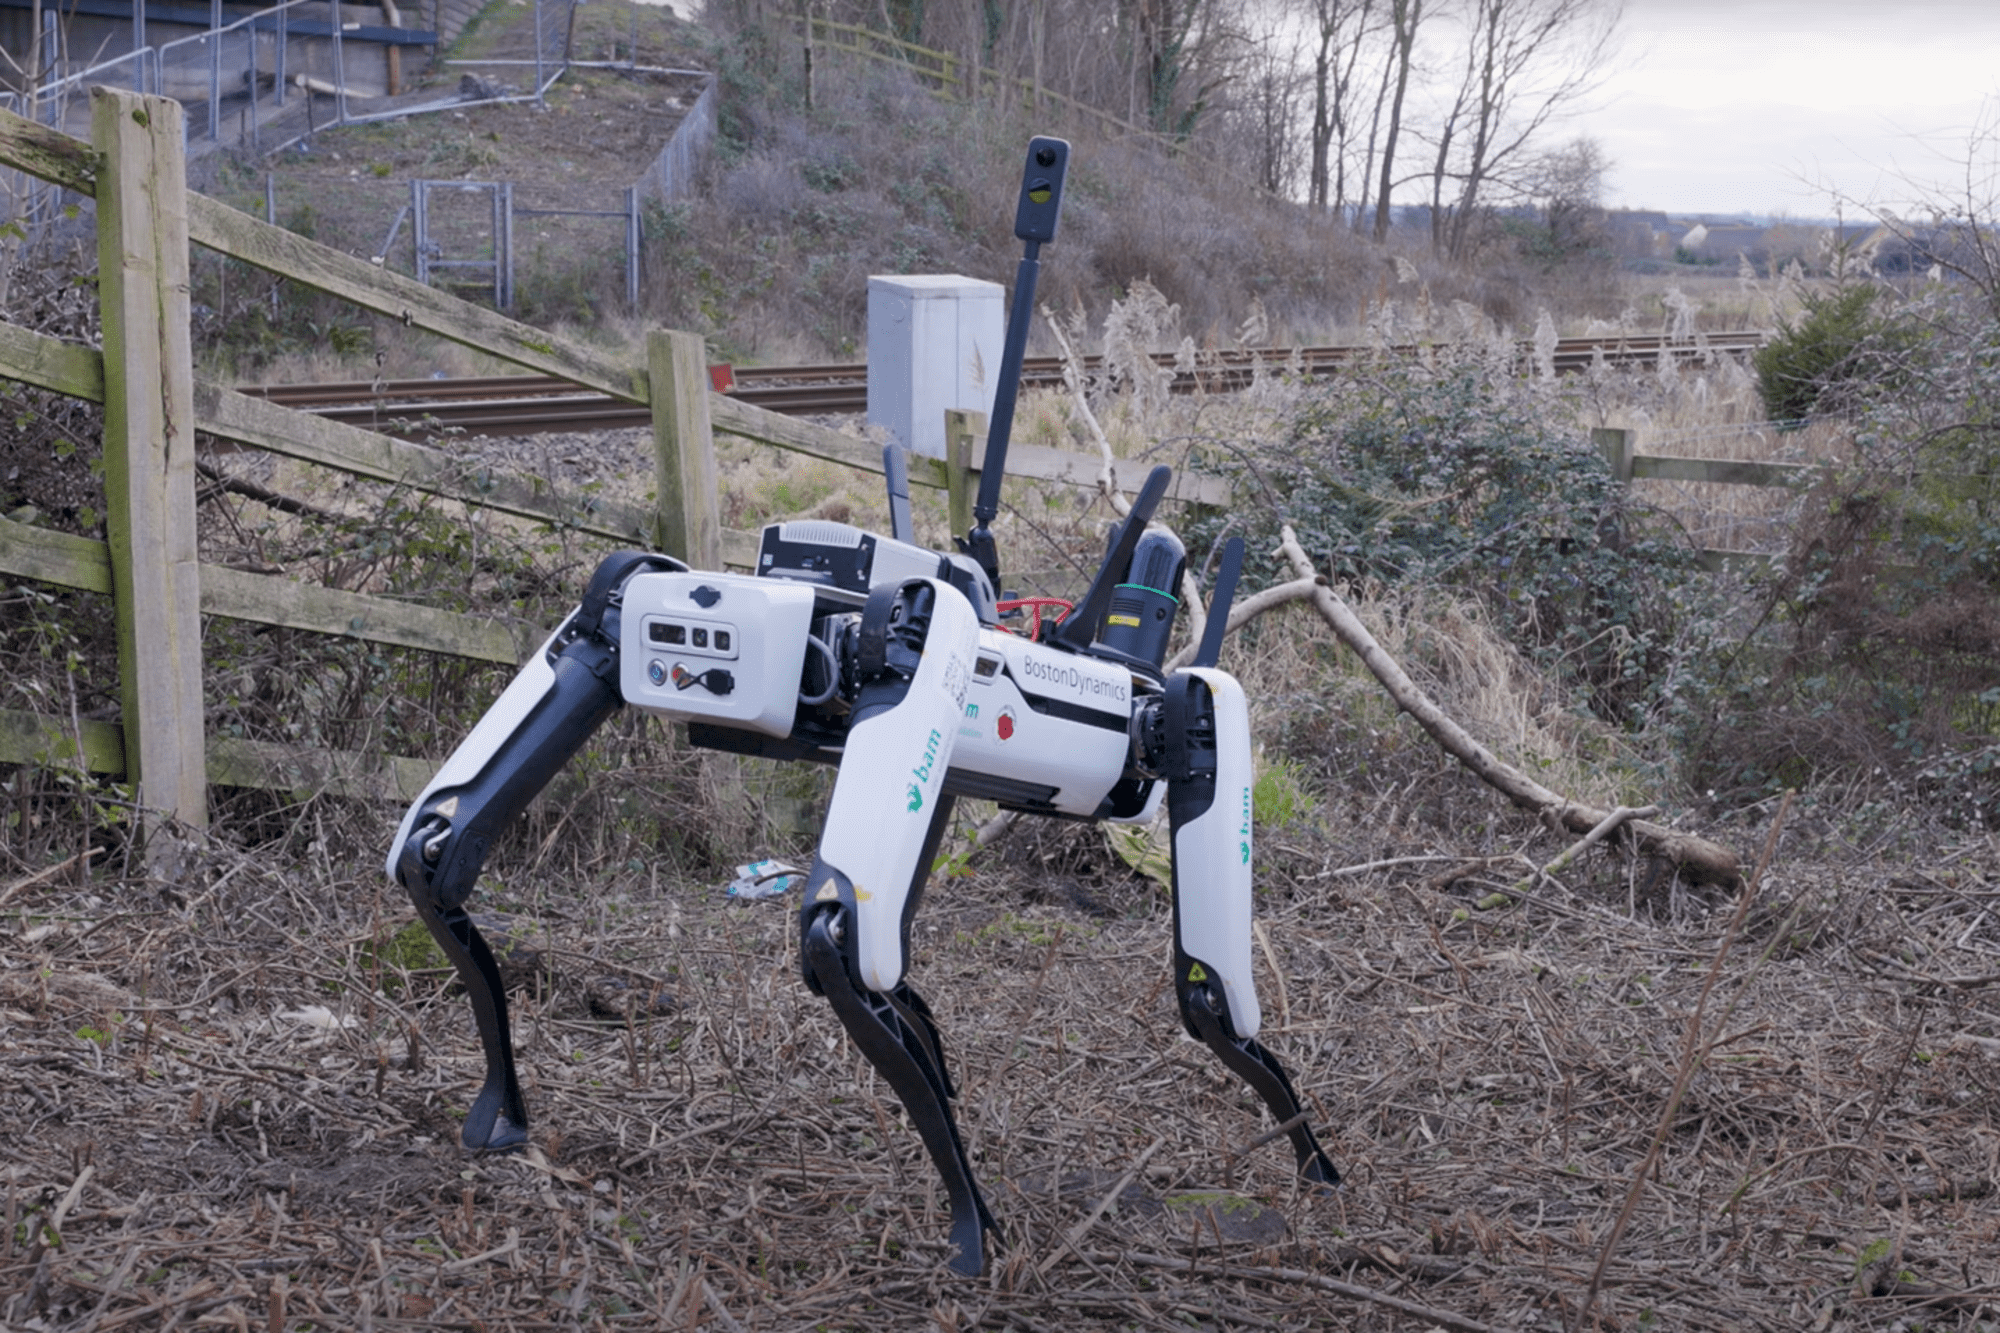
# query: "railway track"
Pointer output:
{"type": "Point", "coordinates": [537, 404]}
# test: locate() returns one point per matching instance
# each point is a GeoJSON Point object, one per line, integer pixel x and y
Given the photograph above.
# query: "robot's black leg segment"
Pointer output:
{"type": "Point", "coordinates": [1261, 1070]}
{"type": "Point", "coordinates": [916, 1015]}
{"type": "Point", "coordinates": [550, 711]}
{"type": "Point", "coordinates": [498, 1119]}
{"type": "Point", "coordinates": [905, 1054]}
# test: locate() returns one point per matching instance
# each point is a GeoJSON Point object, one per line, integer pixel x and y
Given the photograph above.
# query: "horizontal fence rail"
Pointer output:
{"type": "Point", "coordinates": [1627, 465]}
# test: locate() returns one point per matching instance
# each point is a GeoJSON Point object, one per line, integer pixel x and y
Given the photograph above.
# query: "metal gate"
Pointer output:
{"type": "Point", "coordinates": [433, 218]}
{"type": "Point", "coordinates": [430, 252]}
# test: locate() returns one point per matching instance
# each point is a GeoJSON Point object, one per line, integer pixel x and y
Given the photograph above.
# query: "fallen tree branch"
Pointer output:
{"type": "Point", "coordinates": [1605, 828]}
{"type": "Point", "coordinates": [1702, 860]}
{"type": "Point", "coordinates": [995, 829]}
{"type": "Point", "coordinates": [1248, 610]}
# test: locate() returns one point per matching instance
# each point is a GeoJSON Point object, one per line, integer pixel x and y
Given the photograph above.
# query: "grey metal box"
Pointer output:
{"type": "Point", "coordinates": [934, 343]}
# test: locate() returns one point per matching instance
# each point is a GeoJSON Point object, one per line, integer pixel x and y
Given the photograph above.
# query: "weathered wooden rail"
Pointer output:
{"type": "Point", "coordinates": [1627, 465]}
{"type": "Point", "coordinates": [154, 405]}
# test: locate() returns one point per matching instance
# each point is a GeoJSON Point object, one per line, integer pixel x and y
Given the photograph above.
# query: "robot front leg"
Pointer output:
{"type": "Point", "coordinates": [563, 694]}
{"type": "Point", "coordinates": [894, 1030]}
{"type": "Point", "coordinates": [1205, 735]}
{"type": "Point", "coordinates": [884, 824]}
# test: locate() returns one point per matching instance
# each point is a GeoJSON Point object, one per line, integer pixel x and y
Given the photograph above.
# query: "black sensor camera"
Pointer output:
{"type": "Point", "coordinates": [1041, 189]}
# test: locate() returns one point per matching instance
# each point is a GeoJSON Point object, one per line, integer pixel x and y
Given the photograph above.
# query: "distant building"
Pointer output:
{"type": "Point", "coordinates": [1638, 233]}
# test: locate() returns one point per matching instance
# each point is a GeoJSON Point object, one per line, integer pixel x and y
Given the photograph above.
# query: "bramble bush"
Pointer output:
{"type": "Point", "coordinates": [1885, 655]}
{"type": "Point", "coordinates": [1464, 480]}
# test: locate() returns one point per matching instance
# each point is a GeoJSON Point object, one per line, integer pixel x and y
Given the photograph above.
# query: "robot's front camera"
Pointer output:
{"type": "Point", "coordinates": [1045, 157]}
{"type": "Point", "coordinates": [701, 638]}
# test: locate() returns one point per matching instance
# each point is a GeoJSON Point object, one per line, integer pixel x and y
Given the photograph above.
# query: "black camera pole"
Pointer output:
{"type": "Point", "coordinates": [1035, 223]}
{"type": "Point", "coordinates": [979, 542]}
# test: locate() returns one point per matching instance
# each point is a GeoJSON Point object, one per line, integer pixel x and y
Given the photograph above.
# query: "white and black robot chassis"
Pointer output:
{"type": "Point", "coordinates": [889, 661]}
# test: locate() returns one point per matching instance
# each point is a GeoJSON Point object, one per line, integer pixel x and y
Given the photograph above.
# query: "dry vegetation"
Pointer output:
{"type": "Point", "coordinates": [235, 1101]}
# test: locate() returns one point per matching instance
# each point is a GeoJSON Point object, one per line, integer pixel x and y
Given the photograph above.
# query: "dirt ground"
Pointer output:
{"type": "Point", "coordinates": [234, 1101]}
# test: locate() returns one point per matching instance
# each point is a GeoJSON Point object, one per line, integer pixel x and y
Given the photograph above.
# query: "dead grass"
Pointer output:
{"type": "Point", "coordinates": [220, 1095]}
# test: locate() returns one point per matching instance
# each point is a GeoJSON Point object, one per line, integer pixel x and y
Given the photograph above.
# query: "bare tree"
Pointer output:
{"type": "Point", "coordinates": [1566, 186]}
{"type": "Point", "coordinates": [1268, 91]}
{"type": "Point", "coordinates": [1341, 31]}
{"type": "Point", "coordinates": [1404, 16]}
{"type": "Point", "coordinates": [1172, 42]}
{"type": "Point", "coordinates": [1956, 230]}
{"type": "Point", "coordinates": [1527, 63]}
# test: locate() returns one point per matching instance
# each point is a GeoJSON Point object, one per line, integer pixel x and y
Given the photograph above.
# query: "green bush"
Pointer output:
{"type": "Point", "coordinates": [1874, 656]}
{"type": "Point", "coordinates": [1460, 480]}
{"type": "Point", "coordinates": [1843, 352]}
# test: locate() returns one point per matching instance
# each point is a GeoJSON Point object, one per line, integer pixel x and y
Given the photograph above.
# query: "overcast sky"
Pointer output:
{"type": "Point", "coordinates": [1770, 106]}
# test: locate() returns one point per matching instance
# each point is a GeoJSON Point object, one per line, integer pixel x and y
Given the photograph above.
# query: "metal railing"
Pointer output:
{"type": "Point", "coordinates": [555, 23]}
{"type": "Point", "coordinates": [243, 71]}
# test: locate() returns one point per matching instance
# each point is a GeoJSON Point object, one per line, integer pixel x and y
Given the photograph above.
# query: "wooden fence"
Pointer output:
{"type": "Point", "coordinates": [154, 404]}
{"type": "Point", "coordinates": [1627, 466]}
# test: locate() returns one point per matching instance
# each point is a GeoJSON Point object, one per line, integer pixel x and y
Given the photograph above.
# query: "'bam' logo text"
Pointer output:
{"type": "Point", "coordinates": [922, 772]}
{"type": "Point", "coordinates": [1244, 832]}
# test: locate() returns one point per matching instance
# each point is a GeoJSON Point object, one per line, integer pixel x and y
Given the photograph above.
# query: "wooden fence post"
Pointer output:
{"type": "Point", "coordinates": [1616, 446]}
{"type": "Point", "coordinates": [962, 430]}
{"type": "Point", "coordinates": [690, 519]}
{"type": "Point", "coordinates": [149, 418]}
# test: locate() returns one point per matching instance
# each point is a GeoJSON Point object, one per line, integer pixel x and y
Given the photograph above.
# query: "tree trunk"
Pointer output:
{"type": "Point", "coordinates": [1405, 17]}
{"type": "Point", "coordinates": [1322, 125]}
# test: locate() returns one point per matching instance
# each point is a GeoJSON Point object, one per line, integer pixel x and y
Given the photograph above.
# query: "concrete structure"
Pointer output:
{"type": "Point", "coordinates": [934, 343]}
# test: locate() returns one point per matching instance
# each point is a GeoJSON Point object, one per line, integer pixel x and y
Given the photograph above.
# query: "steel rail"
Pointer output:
{"type": "Point", "coordinates": [538, 404]}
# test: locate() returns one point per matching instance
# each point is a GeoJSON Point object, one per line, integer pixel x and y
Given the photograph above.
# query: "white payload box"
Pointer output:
{"type": "Point", "coordinates": [934, 343]}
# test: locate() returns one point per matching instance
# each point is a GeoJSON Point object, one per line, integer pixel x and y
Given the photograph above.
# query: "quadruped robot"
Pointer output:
{"type": "Point", "coordinates": [891, 662]}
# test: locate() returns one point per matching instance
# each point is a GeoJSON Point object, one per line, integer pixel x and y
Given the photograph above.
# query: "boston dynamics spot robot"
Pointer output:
{"type": "Point", "coordinates": [890, 662]}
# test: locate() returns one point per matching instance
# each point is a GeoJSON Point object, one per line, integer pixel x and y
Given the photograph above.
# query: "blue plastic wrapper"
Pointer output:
{"type": "Point", "coordinates": [764, 879]}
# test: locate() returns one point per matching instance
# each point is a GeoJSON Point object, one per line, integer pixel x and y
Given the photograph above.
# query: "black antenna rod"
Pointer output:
{"type": "Point", "coordinates": [1035, 223]}
{"type": "Point", "coordinates": [897, 471]}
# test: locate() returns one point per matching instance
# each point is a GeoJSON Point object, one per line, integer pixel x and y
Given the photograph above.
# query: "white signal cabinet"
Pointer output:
{"type": "Point", "coordinates": [934, 343]}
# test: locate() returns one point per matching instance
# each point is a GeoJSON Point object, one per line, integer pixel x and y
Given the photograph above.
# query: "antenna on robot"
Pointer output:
{"type": "Point", "coordinates": [1035, 223]}
{"type": "Point", "coordinates": [896, 470]}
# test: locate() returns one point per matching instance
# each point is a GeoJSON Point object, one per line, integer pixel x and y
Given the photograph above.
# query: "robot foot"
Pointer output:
{"type": "Point", "coordinates": [1261, 1070]}
{"type": "Point", "coordinates": [896, 1033]}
